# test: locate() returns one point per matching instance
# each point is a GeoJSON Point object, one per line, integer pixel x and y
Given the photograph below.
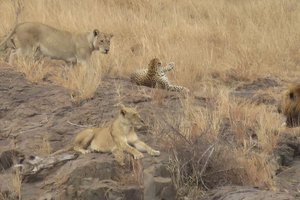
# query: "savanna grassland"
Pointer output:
{"type": "Point", "coordinates": [217, 46]}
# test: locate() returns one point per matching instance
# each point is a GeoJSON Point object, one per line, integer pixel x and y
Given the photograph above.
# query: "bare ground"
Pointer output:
{"type": "Point", "coordinates": [38, 119]}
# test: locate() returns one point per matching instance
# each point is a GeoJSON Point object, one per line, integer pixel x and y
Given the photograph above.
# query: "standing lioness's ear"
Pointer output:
{"type": "Point", "coordinates": [96, 32]}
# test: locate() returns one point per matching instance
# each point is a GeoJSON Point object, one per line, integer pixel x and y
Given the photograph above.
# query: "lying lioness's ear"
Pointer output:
{"type": "Point", "coordinates": [123, 111]}
{"type": "Point", "coordinates": [96, 32]}
{"type": "Point", "coordinates": [111, 35]}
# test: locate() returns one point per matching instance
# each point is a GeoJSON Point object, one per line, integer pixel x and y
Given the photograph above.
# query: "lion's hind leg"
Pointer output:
{"type": "Point", "coordinates": [83, 141]}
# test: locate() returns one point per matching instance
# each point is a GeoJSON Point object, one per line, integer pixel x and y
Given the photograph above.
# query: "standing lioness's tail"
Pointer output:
{"type": "Point", "coordinates": [2, 44]}
{"type": "Point", "coordinates": [18, 9]}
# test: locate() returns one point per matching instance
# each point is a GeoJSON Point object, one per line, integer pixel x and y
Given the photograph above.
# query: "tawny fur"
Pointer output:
{"type": "Point", "coordinates": [290, 105]}
{"type": "Point", "coordinates": [116, 138]}
{"type": "Point", "coordinates": [33, 39]}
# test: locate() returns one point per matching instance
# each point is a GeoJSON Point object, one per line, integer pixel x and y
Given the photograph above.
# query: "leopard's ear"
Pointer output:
{"type": "Point", "coordinates": [154, 62]}
{"type": "Point", "coordinates": [96, 32]}
{"type": "Point", "coordinates": [291, 95]}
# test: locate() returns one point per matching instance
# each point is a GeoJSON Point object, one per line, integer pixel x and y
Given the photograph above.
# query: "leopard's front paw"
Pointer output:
{"type": "Point", "coordinates": [171, 65]}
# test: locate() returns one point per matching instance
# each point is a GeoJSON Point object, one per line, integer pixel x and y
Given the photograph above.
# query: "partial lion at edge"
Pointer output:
{"type": "Point", "coordinates": [289, 105]}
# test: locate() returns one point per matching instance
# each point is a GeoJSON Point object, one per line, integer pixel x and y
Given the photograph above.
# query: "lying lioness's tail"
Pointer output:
{"type": "Point", "coordinates": [69, 148]}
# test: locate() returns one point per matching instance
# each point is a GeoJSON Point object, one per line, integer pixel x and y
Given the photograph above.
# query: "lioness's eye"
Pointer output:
{"type": "Point", "coordinates": [101, 40]}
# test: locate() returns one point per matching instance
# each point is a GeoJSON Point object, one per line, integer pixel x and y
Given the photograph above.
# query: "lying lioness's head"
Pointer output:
{"type": "Point", "coordinates": [131, 116]}
{"type": "Point", "coordinates": [101, 41]}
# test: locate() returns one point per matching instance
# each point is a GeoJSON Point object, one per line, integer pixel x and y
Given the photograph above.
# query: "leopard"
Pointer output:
{"type": "Point", "coordinates": [155, 76]}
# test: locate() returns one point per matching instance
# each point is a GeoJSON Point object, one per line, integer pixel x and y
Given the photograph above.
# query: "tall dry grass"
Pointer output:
{"type": "Point", "coordinates": [252, 37]}
{"type": "Point", "coordinates": [229, 143]}
{"type": "Point", "coordinates": [214, 43]}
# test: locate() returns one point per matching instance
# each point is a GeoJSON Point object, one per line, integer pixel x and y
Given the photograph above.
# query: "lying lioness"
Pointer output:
{"type": "Point", "coordinates": [116, 138]}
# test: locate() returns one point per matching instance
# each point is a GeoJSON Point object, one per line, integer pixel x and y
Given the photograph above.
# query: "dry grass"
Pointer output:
{"type": "Point", "coordinates": [215, 44]}
{"type": "Point", "coordinates": [83, 80]}
{"type": "Point", "coordinates": [229, 143]}
{"type": "Point", "coordinates": [17, 183]}
{"type": "Point", "coordinates": [33, 70]}
{"type": "Point", "coordinates": [201, 37]}
{"type": "Point", "coordinates": [44, 148]}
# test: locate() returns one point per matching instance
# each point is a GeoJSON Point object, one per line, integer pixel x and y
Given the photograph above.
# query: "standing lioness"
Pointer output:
{"type": "Point", "coordinates": [33, 38]}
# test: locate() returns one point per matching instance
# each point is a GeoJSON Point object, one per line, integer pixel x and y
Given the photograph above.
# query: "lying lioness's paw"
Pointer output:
{"type": "Point", "coordinates": [154, 153]}
{"type": "Point", "coordinates": [138, 156]}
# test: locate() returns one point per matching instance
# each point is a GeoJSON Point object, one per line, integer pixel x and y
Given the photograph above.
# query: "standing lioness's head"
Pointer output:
{"type": "Point", "coordinates": [101, 41]}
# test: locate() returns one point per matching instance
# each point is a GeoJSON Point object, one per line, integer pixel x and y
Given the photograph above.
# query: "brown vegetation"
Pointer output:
{"type": "Point", "coordinates": [216, 46]}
